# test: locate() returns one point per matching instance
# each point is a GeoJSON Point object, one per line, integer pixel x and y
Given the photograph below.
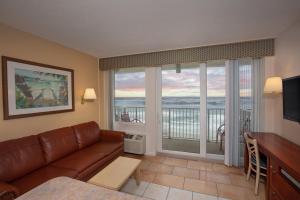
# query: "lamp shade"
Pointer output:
{"type": "Point", "coordinates": [89, 94]}
{"type": "Point", "coordinates": [273, 85]}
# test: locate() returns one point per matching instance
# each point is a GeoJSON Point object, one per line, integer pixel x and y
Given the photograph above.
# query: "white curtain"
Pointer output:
{"type": "Point", "coordinates": [231, 117]}
{"type": "Point", "coordinates": [106, 93]}
{"type": "Point", "coordinates": [258, 71]}
{"type": "Point", "coordinates": [244, 78]}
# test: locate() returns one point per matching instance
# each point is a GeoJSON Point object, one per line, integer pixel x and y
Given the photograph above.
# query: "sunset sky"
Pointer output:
{"type": "Point", "coordinates": [186, 83]}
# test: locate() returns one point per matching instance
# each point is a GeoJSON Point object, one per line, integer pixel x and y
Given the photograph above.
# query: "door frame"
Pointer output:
{"type": "Point", "coordinates": [153, 126]}
{"type": "Point", "coordinates": [203, 117]}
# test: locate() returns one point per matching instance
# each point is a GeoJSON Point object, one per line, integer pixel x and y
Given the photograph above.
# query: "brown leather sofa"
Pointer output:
{"type": "Point", "coordinates": [78, 152]}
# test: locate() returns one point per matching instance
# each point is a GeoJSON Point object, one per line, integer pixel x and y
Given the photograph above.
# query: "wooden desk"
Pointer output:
{"type": "Point", "coordinates": [281, 155]}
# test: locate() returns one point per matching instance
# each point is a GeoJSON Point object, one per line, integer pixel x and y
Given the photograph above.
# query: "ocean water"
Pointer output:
{"type": "Point", "coordinates": [180, 115]}
{"type": "Point", "coordinates": [177, 102]}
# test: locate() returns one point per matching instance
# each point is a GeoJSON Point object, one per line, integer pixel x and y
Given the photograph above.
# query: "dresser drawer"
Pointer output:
{"type": "Point", "coordinates": [280, 185]}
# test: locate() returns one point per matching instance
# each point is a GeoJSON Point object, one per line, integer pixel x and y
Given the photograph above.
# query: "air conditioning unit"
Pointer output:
{"type": "Point", "coordinates": [134, 143]}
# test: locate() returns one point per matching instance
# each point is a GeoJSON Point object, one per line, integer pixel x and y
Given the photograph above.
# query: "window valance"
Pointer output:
{"type": "Point", "coordinates": [248, 49]}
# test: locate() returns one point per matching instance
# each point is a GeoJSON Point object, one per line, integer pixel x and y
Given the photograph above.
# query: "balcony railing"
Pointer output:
{"type": "Point", "coordinates": [184, 123]}
{"type": "Point", "coordinates": [181, 123]}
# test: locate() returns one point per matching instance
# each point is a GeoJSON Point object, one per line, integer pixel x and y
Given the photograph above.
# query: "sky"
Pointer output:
{"type": "Point", "coordinates": [186, 83]}
{"type": "Point", "coordinates": [130, 84]}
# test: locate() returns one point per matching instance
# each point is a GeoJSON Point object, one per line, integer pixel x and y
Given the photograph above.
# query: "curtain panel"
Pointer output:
{"type": "Point", "coordinates": [258, 70]}
{"type": "Point", "coordinates": [232, 110]}
{"type": "Point", "coordinates": [234, 120]}
{"type": "Point", "coordinates": [248, 49]}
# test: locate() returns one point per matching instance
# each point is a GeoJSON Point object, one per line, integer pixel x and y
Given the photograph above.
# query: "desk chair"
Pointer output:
{"type": "Point", "coordinates": [256, 164]}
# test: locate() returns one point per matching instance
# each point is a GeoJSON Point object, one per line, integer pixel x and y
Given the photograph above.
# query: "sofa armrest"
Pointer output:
{"type": "Point", "coordinates": [8, 191]}
{"type": "Point", "coordinates": [112, 136]}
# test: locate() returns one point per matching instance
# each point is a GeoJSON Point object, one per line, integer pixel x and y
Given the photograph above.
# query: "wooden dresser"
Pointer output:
{"type": "Point", "coordinates": [283, 156]}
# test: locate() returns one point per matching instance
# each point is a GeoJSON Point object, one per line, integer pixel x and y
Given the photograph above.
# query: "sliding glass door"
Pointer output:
{"type": "Point", "coordinates": [180, 101]}
{"type": "Point", "coordinates": [193, 108]}
{"type": "Point", "coordinates": [215, 140]}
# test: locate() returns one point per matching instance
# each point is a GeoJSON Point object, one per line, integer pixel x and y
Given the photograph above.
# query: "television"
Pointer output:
{"type": "Point", "coordinates": [291, 98]}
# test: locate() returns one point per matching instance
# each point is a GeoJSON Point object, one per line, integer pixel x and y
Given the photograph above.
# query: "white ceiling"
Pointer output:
{"type": "Point", "coordinates": [105, 28]}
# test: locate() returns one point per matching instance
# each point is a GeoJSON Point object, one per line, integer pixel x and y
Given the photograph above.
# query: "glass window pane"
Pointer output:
{"type": "Point", "coordinates": [129, 95]}
{"type": "Point", "coordinates": [215, 139]}
{"type": "Point", "coordinates": [181, 108]}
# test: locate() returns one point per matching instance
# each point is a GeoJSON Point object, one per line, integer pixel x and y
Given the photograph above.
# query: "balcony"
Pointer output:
{"type": "Point", "coordinates": [181, 126]}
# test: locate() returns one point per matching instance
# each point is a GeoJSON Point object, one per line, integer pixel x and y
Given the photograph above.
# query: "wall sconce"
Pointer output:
{"type": "Point", "coordinates": [89, 95]}
{"type": "Point", "coordinates": [273, 85]}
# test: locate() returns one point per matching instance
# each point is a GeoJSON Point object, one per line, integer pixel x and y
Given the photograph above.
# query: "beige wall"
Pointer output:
{"type": "Point", "coordinates": [287, 64]}
{"type": "Point", "coordinates": [22, 45]}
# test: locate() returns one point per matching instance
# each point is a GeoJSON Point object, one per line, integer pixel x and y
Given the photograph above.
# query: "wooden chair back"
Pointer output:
{"type": "Point", "coordinates": [252, 149]}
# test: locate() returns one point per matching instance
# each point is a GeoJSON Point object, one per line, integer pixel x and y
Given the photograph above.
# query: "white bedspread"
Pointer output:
{"type": "Point", "coordinates": [64, 188]}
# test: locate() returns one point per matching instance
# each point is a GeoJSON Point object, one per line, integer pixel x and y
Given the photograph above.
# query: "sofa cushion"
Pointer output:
{"type": "Point", "coordinates": [86, 133]}
{"type": "Point", "coordinates": [105, 147]}
{"type": "Point", "coordinates": [19, 157]}
{"type": "Point", "coordinates": [99, 165]}
{"type": "Point", "coordinates": [39, 176]}
{"type": "Point", "coordinates": [79, 160]}
{"type": "Point", "coordinates": [58, 143]}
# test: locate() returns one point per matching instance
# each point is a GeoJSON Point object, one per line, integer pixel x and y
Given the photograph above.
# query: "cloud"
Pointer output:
{"type": "Point", "coordinates": [216, 81]}
{"type": "Point", "coordinates": [186, 83]}
{"type": "Point", "coordinates": [130, 83]}
{"type": "Point", "coordinates": [187, 79]}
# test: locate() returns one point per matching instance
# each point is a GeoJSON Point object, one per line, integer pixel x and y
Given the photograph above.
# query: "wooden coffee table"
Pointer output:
{"type": "Point", "coordinates": [117, 173]}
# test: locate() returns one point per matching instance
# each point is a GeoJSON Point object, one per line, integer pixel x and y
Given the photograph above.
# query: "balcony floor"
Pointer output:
{"type": "Point", "coordinates": [191, 146]}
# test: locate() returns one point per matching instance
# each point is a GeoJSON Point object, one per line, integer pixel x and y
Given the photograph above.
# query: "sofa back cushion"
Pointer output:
{"type": "Point", "coordinates": [87, 133]}
{"type": "Point", "coordinates": [19, 157]}
{"type": "Point", "coordinates": [58, 143]}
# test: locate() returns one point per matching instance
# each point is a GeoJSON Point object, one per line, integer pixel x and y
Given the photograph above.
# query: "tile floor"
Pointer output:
{"type": "Point", "coordinates": [165, 178]}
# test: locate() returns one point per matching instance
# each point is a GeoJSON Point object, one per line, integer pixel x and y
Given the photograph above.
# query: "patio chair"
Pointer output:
{"type": "Point", "coordinates": [221, 133]}
{"type": "Point", "coordinates": [125, 118]}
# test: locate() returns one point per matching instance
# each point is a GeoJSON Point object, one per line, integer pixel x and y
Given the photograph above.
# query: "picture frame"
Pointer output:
{"type": "Point", "coordinates": [32, 89]}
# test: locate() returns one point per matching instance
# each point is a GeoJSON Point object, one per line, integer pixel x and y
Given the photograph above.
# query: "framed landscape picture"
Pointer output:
{"type": "Point", "coordinates": [31, 88]}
